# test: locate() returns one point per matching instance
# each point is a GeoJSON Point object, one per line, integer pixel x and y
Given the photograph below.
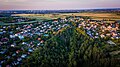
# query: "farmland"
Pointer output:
{"type": "Point", "coordinates": [92, 15]}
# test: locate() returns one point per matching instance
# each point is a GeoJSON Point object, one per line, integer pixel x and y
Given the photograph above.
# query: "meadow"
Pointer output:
{"type": "Point", "coordinates": [92, 15]}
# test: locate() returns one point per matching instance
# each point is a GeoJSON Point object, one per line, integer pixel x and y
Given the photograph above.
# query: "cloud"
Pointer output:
{"type": "Point", "coordinates": [10, 1]}
{"type": "Point", "coordinates": [57, 4]}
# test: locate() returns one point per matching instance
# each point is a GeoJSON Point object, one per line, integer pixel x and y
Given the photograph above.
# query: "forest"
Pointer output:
{"type": "Point", "coordinates": [71, 47]}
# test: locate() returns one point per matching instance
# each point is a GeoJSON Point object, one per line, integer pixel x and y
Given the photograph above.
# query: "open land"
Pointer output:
{"type": "Point", "coordinates": [92, 15]}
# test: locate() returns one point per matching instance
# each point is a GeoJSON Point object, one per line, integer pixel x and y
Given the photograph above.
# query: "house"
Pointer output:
{"type": "Point", "coordinates": [24, 43]}
{"type": "Point", "coordinates": [12, 45]}
{"type": "Point", "coordinates": [1, 33]}
{"type": "Point", "coordinates": [24, 56]}
{"type": "Point", "coordinates": [102, 36]}
{"type": "Point", "coordinates": [17, 51]}
{"type": "Point", "coordinates": [4, 40]}
{"type": "Point", "coordinates": [30, 50]}
{"type": "Point", "coordinates": [19, 59]}
{"type": "Point", "coordinates": [2, 52]}
{"type": "Point", "coordinates": [111, 43]}
{"type": "Point", "coordinates": [46, 35]}
{"type": "Point", "coordinates": [4, 32]}
{"type": "Point", "coordinates": [1, 43]}
{"type": "Point", "coordinates": [12, 36]}
{"type": "Point", "coordinates": [21, 37]}
{"type": "Point", "coordinates": [14, 54]}
{"type": "Point", "coordinates": [38, 44]}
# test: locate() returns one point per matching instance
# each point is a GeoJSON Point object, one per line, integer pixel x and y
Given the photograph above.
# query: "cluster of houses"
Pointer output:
{"type": "Point", "coordinates": [19, 41]}
{"type": "Point", "coordinates": [96, 29]}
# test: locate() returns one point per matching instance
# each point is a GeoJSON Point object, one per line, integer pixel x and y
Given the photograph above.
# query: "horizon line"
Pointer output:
{"type": "Point", "coordinates": [62, 9]}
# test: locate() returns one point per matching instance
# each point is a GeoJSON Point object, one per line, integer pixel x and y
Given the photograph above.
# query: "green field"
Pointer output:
{"type": "Point", "coordinates": [110, 17]}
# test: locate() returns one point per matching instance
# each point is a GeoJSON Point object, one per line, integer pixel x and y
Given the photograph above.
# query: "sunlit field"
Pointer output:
{"type": "Point", "coordinates": [95, 16]}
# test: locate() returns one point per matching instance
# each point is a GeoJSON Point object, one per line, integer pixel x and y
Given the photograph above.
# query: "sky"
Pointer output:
{"type": "Point", "coordinates": [57, 4]}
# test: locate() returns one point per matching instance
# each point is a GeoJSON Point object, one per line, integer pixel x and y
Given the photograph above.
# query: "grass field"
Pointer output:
{"type": "Point", "coordinates": [96, 16]}
{"type": "Point", "coordinates": [41, 17]}
{"type": "Point", "coordinates": [100, 16]}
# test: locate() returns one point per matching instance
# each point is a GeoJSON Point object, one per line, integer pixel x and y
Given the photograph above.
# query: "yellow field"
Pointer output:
{"type": "Point", "coordinates": [42, 16]}
{"type": "Point", "coordinates": [96, 16]}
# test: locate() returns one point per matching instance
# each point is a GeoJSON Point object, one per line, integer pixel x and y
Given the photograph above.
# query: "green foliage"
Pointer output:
{"type": "Point", "coordinates": [72, 48]}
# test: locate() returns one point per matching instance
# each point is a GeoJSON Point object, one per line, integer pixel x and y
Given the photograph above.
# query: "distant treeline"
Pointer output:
{"type": "Point", "coordinates": [15, 19]}
{"type": "Point", "coordinates": [57, 11]}
{"type": "Point", "coordinates": [5, 15]}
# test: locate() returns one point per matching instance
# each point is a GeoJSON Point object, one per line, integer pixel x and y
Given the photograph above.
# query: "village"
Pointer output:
{"type": "Point", "coordinates": [96, 29]}
{"type": "Point", "coordinates": [17, 42]}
